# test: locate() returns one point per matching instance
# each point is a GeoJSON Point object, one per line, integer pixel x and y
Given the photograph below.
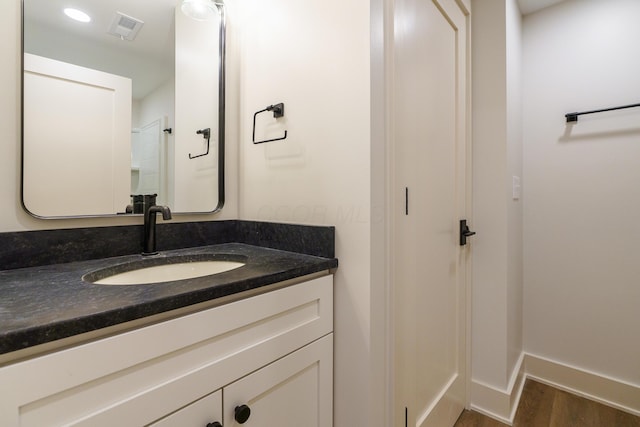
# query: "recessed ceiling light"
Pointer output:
{"type": "Point", "coordinates": [76, 14]}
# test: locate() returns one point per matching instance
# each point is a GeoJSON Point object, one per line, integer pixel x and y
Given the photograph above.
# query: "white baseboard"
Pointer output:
{"type": "Point", "coordinates": [444, 409]}
{"type": "Point", "coordinates": [608, 391]}
{"type": "Point", "coordinates": [502, 404]}
{"type": "Point", "coordinates": [497, 403]}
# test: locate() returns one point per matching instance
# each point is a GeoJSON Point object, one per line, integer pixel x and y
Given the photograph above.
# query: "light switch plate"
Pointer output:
{"type": "Point", "coordinates": [516, 187]}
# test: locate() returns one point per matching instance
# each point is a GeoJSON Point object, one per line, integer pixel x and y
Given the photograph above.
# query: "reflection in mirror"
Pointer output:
{"type": "Point", "coordinates": [116, 107]}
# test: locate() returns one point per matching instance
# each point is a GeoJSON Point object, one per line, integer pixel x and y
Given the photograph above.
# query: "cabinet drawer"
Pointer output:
{"type": "Point", "coordinates": [140, 376]}
{"type": "Point", "coordinates": [198, 414]}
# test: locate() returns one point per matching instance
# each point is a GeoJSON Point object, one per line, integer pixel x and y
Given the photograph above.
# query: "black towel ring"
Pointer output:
{"type": "Point", "coordinates": [206, 134]}
{"type": "Point", "coordinates": [278, 111]}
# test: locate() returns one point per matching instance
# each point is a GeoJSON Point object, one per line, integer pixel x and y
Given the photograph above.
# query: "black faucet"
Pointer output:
{"type": "Point", "coordinates": [150, 211]}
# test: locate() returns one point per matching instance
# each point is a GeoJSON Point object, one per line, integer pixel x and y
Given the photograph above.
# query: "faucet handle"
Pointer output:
{"type": "Point", "coordinates": [149, 200]}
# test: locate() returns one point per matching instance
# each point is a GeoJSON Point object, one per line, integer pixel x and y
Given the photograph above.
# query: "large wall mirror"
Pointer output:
{"type": "Point", "coordinates": [128, 100]}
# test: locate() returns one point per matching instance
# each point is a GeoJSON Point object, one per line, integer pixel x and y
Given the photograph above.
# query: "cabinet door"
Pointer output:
{"type": "Point", "coordinates": [291, 392]}
{"type": "Point", "coordinates": [198, 414]}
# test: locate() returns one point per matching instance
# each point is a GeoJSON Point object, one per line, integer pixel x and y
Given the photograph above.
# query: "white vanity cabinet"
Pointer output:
{"type": "Point", "coordinates": [205, 412]}
{"type": "Point", "coordinates": [270, 353]}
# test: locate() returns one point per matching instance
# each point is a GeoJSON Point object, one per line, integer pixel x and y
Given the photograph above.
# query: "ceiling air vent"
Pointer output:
{"type": "Point", "coordinates": [124, 26]}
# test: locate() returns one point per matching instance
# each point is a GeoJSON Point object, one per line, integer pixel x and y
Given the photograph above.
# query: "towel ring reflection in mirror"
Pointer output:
{"type": "Point", "coordinates": [206, 134]}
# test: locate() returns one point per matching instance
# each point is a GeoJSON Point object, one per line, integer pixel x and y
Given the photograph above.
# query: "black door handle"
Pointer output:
{"type": "Point", "coordinates": [465, 232]}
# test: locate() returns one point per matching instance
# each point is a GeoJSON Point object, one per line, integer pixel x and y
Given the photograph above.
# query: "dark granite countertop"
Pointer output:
{"type": "Point", "coordinates": [43, 304]}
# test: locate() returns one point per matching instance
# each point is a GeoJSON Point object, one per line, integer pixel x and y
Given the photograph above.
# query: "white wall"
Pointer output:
{"type": "Point", "coordinates": [489, 175]}
{"type": "Point", "coordinates": [159, 103]}
{"type": "Point", "coordinates": [496, 326]}
{"type": "Point", "coordinates": [12, 216]}
{"type": "Point", "coordinates": [582, 206]}
{"type": "Point", "coordinates": [314, 57]}
{"type": "Point", "coordinates": [514, 203]}
{"type": "Point", "coordinates": [379, 390]}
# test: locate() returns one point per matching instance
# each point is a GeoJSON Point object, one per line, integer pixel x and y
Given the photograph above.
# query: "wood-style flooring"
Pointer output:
{"type": "Point", "coordinates": [544, 406]}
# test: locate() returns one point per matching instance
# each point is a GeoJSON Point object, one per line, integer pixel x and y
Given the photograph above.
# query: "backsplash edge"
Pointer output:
{"type": "Point", "coordinates": [42, 247]}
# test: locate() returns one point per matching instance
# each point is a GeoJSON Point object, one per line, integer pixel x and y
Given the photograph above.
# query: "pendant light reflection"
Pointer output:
{"type": "Point", "coordinates": [200, 10]}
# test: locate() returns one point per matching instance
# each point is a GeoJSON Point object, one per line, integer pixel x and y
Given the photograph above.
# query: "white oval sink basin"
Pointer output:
{"type": "Point", "coordinates": [169, 272]}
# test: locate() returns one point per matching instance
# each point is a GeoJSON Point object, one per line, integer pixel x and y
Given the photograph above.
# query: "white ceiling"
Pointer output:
{"type": "Point", "coordinates": [530, 6]}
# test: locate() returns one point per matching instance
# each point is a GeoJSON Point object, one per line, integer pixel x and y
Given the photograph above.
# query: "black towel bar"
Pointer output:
{"type": "Point", "coordinates": [573, 117]}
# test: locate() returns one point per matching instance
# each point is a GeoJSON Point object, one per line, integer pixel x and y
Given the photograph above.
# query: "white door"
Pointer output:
{"type": "Point", "coordinates": [430, 194]}
{"type": "Point", "coordinates": [77, 149]}
{"type": "Point", "coordinates": [295, 391]}
{"type": "Point", "coordinates": [149, 160]}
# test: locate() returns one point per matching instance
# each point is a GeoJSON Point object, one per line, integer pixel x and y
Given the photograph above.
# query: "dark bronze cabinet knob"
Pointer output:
{"type": "Point", "coordinates": [242, 413]}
